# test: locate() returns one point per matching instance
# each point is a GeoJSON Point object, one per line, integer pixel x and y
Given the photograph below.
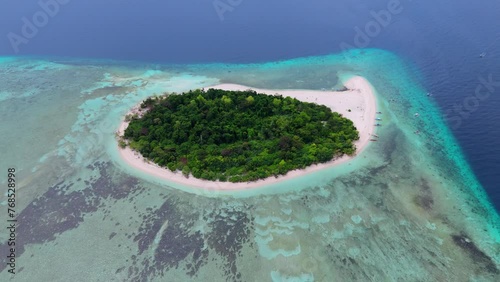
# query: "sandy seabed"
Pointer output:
{"type": "Point", "coordinates": [359, 98]}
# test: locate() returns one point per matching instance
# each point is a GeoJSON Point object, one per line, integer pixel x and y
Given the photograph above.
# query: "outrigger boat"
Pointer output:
{"type": "Point", "coordinates": [373, 140]}
{"type": "Point", "coordinates": [377, 124]}
{"type": "Point", "coordinates": [375, 135]}
{"type": "Point", "coordinates": [379, 112]}
{"type": "Point", "coordinates": [378, 119]}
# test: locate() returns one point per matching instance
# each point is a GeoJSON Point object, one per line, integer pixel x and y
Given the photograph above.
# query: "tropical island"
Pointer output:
{"type": "Point", "coordinates": [238, 136]}
{"type": "Point", "coordinates": [241, 136]}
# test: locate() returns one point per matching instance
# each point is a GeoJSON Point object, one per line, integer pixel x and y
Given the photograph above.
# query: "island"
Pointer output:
{"type": "Point", "coordinates": [233, 136]}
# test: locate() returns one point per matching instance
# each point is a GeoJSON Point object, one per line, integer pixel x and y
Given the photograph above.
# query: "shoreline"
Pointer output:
{"type": "Point", "coordinates": [359, 98]}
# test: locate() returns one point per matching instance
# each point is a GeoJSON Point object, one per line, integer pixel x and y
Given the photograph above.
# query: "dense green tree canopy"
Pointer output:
{"type": "Point", "coordinates": [238, 136]}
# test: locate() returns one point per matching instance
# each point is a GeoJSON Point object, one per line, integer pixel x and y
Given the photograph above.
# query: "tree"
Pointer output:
{"type": "Point", "coordinates": [250, 100]}
{"type": "Point", "coordinates": [186, 171]}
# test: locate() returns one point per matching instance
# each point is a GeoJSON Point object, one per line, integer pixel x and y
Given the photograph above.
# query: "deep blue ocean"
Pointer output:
{"type": "Point", "coordinates": [442, 39]}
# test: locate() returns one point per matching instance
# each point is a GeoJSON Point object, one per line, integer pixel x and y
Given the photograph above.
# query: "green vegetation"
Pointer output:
{"type": "Point", "coordinates": [238, 136]}
{"type": "Point", "coordinates": [122, 143]}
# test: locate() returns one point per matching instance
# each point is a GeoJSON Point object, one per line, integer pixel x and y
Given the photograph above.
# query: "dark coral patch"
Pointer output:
{"type": "Point", "coordinates": [176, 244]}
{"type": "Point", "coordinates": [424, 199]}
{"type": "Point", "coordinates": [59, 210]}
{"type": "Point", "coordinates": [229, 232]}
{"type": "Point", "coordinates": [475, 253]}
{"type": "Point", "coordinates": [179, 243]}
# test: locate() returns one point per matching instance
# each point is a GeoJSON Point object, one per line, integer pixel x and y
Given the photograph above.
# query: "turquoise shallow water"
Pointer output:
{"type": "Point", "coordinates": [408, 208]}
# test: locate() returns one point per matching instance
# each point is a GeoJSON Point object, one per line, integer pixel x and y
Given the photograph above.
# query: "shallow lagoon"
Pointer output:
{"type": "Point", "coordinates": [407, 208]}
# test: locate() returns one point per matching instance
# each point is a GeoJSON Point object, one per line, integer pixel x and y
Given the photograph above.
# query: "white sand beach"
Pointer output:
{"type": "Point", "coordinates": [359, 98]}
